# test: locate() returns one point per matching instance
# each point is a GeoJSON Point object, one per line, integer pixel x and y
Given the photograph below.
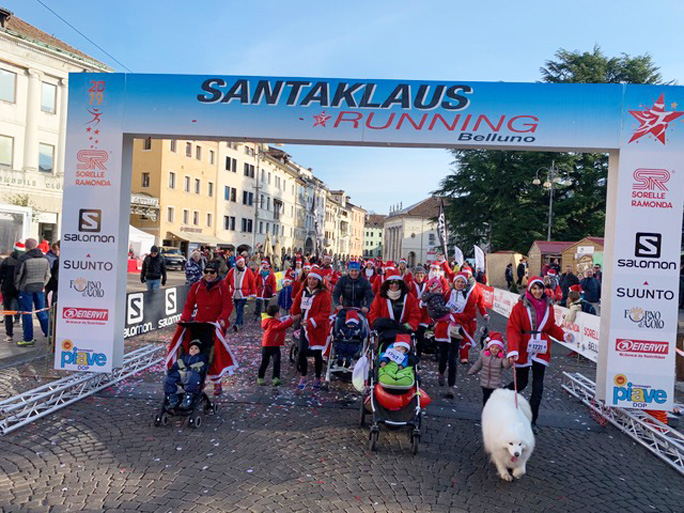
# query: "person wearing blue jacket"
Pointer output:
{"type": "Point", "coordinates": [285, 296]}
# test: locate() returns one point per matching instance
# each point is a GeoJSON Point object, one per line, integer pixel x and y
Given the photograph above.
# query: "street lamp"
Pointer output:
{"type": "Point", "coordinates": [551, 181]}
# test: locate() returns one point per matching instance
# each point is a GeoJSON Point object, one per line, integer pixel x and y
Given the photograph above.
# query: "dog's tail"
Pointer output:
{"type": "Point", "coordinates": [525, 407]}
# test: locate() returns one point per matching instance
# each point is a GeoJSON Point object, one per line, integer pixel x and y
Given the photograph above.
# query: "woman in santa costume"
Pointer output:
{"type": "Point", "coordinates": [211, 297]}
{"type": "Point", "coordinates": [530, 327]}
{"type": "Point", "coordinates": [479, 299]}
{"type": "Point", "coordinates": [395, 302]}
{"type": "Point", "coordinates": [404, 272]}
{"type": "Point", "coordinates": [299, 283]}
{"type": "Point", "coordinates": [240, 281]}
{"type": "Point", "coordinates": [265, 288]}
{"type": "Point", "coordinates": [371, 275]}
{"type": "Point", "coordinates": [312, 307]}
{"type": "Point", "coordinates": [418, 287]}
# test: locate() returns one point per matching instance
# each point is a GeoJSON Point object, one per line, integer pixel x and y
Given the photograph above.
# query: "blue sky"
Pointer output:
{"type": "Point", "coordinates": [433, 40]}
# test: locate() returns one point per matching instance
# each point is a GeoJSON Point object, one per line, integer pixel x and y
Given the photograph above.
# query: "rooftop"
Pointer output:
{"type": "Point", "coordinates": [427, 208]}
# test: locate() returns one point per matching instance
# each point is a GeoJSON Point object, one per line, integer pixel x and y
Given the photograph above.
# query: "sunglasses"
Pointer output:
{"type": "Point", "coordinates": [209, 271]}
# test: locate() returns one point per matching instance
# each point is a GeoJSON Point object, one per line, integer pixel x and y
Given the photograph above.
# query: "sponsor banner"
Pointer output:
{"type": "Point", "coordinates": [148, 311]}
{"type": "Point", "coordinates": [585, 328]}
{"type": "Point", "coordinates": [632, 389]}
{"type": "Point", "coordinates": [85, 316]}
{"type": "Point", "coordinates": [487, 294]}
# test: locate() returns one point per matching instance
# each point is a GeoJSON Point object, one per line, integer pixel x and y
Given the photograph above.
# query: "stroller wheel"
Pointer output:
{"type": "Point", "coordinates": [373, 439]}
{"type": "Point", "coordinates": [215, 408]}
{"type": "Point", "coordinates": [195, 420]}
{"type": "Point", "coordinates": [362, 414]}
{"type": "Point", "coordinates": [163, 419]}
{"type": "Point", "coordinates": [415, 440]}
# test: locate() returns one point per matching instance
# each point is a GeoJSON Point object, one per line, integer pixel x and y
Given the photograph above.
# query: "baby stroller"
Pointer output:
{"type": "Point", "coordinates": [201, 404]}
{"type": "Point", "coordinates": [348, 341]}
{"type": "Point", "coordinates": [394, 406]}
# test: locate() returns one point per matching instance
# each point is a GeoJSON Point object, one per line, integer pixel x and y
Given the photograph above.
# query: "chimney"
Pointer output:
{"type": "Point", "coordinates": [5, 15]}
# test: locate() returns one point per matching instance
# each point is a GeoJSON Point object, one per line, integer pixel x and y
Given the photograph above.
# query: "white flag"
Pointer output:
{"type": "Point", "coordinates": [479, 259]}
{"type": "Point", "coordinates": [458, 256]}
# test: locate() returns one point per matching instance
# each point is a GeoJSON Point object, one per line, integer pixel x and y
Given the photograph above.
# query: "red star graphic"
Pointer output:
{"type": "Point", "coordinates": [97, 132]}
{"type": "Point", "coordinates": [654, 120]}
{"type": "Point", "coordinates": [321, 119]}
{"type": "Point", "coordinates": [88, 129]}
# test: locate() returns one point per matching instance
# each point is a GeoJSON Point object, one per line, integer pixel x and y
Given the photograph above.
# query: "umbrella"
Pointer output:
{"type": "Point", "coordinates": [267, 246]}
{"type": "Point", "coordinates": [278, 253]}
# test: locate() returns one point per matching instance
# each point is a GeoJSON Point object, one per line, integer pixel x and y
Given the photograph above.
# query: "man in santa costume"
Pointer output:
{"type": "Point", "coordinates": [437, 272]}
{"type": "Point", "coordinates": [265, 288]}
{"type": "Point", "coordinates": [240, 281]}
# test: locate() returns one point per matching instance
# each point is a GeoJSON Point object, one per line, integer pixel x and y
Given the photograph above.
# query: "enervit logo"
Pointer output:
{"type": "Point", "coordinates": [87, 314]}
{"type": "Point", "coordinates": [626, 393]}
{"type": "Point", "coordinates": [92, 159]}
{"type": "Point", "coordinates": [134, 312]}
{"type": "Point", "coordinates": [649, 319]}
{"type": "Point", "coordinates": [648, 245]}
{"type": "Point", "coordinates": [89, 220]}
{"type": "Point", "coordinates": [651, 179]}
{"type": "Point", "coordinates": [651, 347]}
{"type": "Point", "coordinates": [170, 302]}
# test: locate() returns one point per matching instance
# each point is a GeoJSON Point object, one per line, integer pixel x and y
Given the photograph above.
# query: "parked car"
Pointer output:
{"type": "Point", "coordinates": [174, 258]}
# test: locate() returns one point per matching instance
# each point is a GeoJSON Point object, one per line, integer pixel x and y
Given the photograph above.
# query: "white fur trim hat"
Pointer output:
{"type": "Point", "coordinates": [403, 344]}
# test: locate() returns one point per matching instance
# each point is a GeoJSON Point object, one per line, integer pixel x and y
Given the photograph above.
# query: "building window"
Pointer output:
{"type": "Point", "coordinates": [229, 223]}
{"type": "Point", "coordinates": [210, 189]}
{"type": "Point", "coordinates": [145, 180]}
{"type": "Point", "coordinates": [49, 98]}
{"type": "Point", "coordinates": [195, 218]}
{"type": "Point", "coordinates": [198, 153]}
{"type": "Point", "coordinates": [198, 185]}
{"type": "Point", "coordinates": [172, 180]}
{"type": "Point", "coordinates": [209, 219]}
{"type": "Point", "coordinates": [268, 203]}
{"type": "Point", "coordinates": [431, 239]}
{"type": "Point", "coordinates": [212, 157]}
{"type": "Point", "coordinates": [261, 227]}
{"type": "Point", "coordinates": [231, 165]}
{"type": "Point", "coordinates": [186, 216]}
{"type": "Point", "coordinates": [269, 178]}
{"type": "Point", "coordinates": [170, 214]}
{"type": "Point", "coordinates": [188, 149]}
{"type": "Point", "coordinates": [233, 195]}
{"type": "Point", "coordinates": [6, 150]}
{"type": "Point", "coordinates": [8, 85]}
{"type": "Point", "coordinates": [186, 184]}
{"type": "Point", "coordinates": [173, 145]}
{"type": "Point", "coordinates": [147, 143]}
{"type": "Point", "coordinates": [246, 169]}
{"type": "Point", "coordinates": [46, 157]}
{"type": "Point", "coordinates": [226, 193]}
{"type": "Point", "coordinates": [247, 198]}
{"type": "Point", "coordinates": [247, 225]}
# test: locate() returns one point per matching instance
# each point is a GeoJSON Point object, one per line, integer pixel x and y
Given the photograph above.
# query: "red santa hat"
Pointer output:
{"type": "Point", "coordinates": [352, 317]}
{"type": "Point", "coordinates": [265, 262]}
{"type": "Point", "coordinates": [240, 259]}
{"type": "Point", "coordinates": [495, 339]}
{"type": "Point", "coordinates": [576, 288]}
{"type": "Point", "coordinates": [307, 266]}
{"type": "Point", "coordinates": [372, 264]}
{"type": "Point", "coordinates": [403, 261]}
{"type": "Point", "coordinates": [552, 272]}
{"type": "Point", "coordinates": [468, 271]}
{"type": "Point", "coordinates": [287, 280]}
{"type": "Point", "coordinates": [389, 264]}
{"type": "Point", "coordinates": [20, 246]}
{"type": "Point", "coordinates": [463, 276]}
{"type": "Point", "coordinates": [392, 274]}
{"type": "Point", "coordinates": [403, 340]}
{"type": "Point", "coordinates": [533, 280]}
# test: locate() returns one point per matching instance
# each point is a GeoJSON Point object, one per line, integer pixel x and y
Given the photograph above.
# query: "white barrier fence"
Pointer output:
{"type": "Point", "coordinates": [585, 328]}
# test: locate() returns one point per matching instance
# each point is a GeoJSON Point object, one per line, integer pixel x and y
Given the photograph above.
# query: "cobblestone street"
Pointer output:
{"type": "Point", "coordinates": [273, 450]}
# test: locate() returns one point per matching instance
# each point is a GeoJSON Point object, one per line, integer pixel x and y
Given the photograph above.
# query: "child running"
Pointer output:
{"type": "Point", "coordinates": [491, 362]}
{"type": "Point", "coordinates": [274, 337]}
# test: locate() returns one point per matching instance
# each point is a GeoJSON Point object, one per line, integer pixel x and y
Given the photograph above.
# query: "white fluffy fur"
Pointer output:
{"type": "Point", "coordinates": [507, 431]}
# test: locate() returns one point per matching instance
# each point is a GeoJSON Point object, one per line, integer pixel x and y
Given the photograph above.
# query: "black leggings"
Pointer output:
{"type": "Point", "coordinates": [266, 354]}
{"type": "Point", "coordinates": [420, 340]}
{"type": "Point", "coordinates": [304, 353]}
{"type": "Point", "coordinates": [448, 353]}
{"type": "Point", "coordinates": [522, 375]}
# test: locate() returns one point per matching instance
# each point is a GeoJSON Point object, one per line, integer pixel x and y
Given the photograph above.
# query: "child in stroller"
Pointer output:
{"type": "Point", "coordinates": [396, 364]}
{"type": "Point", "coordinates": [350, 331]}
{"type": "Point", "coordinates": [188, 371]}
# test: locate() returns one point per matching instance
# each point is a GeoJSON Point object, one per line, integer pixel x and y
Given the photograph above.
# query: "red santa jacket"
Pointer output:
{"type": "Point", "coordinates": [329, 274]}
{"type": "Point", "coordinates": [408, 277]}
{"type": "Point", "coordinates": [381, 309]}
{"type": "Point", "coordinates": [297, 285]}
{"type": "Point", "coordinates": [519, 332]}
{"type": "Point", "coordinates": [214, 304]}
{"type": "Point", "coordinates": [448, 271]}
{"type": "Point", "coordinates": [479, 300]}
{"type": "Point", "coordinates": [315, 322]}
{"type": "Point", "coordinates": [417, 290]}
{"type": "Point", "coordinates": [466, 318]}
{"type": "Point", "coordinates": [265, 288]}
{"type": "Point", "coordinates": [245, 284]}
{"type": "Point", "coordinates": [274, 331]}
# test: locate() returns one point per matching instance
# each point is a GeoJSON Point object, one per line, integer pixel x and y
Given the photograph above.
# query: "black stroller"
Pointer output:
{"type": "Point", "coordinates": [201, 404]}
{"type": "Point", "coordinates": [394, 406]}
{"type": "Point", "coordinates": [348, 341]}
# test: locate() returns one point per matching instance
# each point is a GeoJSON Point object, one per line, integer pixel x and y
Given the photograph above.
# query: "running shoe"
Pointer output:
{"type": "Point", "coordinates": [302, 384]}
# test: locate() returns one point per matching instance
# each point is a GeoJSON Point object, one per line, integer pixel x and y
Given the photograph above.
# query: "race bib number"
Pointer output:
{"type": "Point", "coordinates": [537, 346]}
{"type": "Point", "coordinates": [394, 356]}
{"type": "Point", "coordinates": [306, 302]}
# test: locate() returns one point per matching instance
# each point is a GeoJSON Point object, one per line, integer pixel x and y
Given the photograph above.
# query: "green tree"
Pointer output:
{"type": "Point", "coordinates": [492, 198]}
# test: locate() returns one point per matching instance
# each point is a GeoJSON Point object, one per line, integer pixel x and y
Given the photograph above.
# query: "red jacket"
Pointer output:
{"type": "Point", "coordinates": [329, 275]}
{"type": "Point", "coordinates": [381, 309]}
{"type": "Point", "coordinates": [417, 290]}
{"type": "Point", "coordinates": [297, 285]}
{"type": "Point", "coordinates": [315, 321]}
{"type": "Point", "coordinates": [448, 271]}
{"type": "Point", "coordinates": [519, 326]}
{"type": "Point", "coordinates": [408, 277]}
{"type": "Point", "coordinates": [213, 305]}
{"type": "Point", "coordinates": [274, 331]}
{"type": "Point", "coordinates": [246, 287]}
{"type": "Point", "coordinates": [479, 300]}
{"type": "Point", "coordinates": [468, 317]}
{"type": "Point", "coordinates": [265, 288]}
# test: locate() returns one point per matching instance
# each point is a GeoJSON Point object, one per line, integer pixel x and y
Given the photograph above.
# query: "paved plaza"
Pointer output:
{"type": "Point", "coordinates": [274, 450]}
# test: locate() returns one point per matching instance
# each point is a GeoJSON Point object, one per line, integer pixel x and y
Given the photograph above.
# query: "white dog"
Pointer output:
{"type": "Point", "coordinates": [507, 433]}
